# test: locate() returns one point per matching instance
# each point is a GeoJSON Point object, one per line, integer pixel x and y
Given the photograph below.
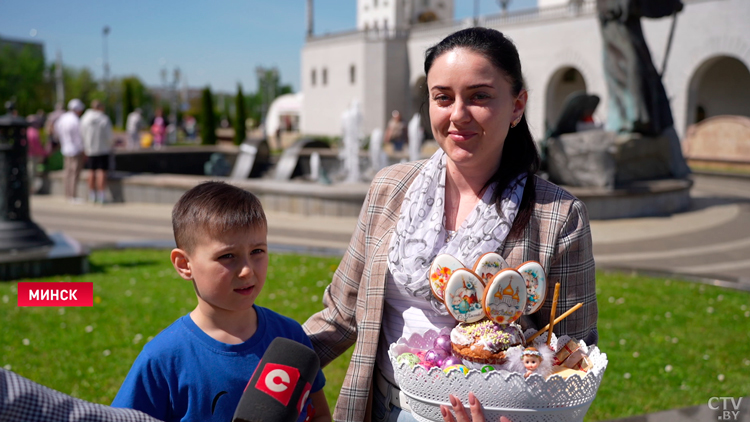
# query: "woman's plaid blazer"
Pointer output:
{"type": "Point", "coordinates": [558, 236]}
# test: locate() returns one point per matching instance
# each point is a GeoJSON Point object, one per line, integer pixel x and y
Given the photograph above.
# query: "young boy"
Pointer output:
{"type": "Point", "coordinates": [198, 367]}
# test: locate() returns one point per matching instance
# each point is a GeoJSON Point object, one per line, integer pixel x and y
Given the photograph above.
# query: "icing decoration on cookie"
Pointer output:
{"type": "Point", "coordinates": [488, 265]}
{"type": "Point", "coordinates": [505, 298]}
{"type": "Point", "coordinates": [440, 271]}
{"type": "Point", "coordinates": [463, 296]}
{"type": "Point", "coordinates": [536, 285]}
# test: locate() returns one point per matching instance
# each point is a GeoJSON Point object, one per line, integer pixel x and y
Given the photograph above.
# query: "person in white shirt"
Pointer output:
{"type": "Point", "coordinates": [68, 131]}
{"type": "Point", "coordinates": [133, 127]}
{"type": "Point", "coordinates": [96, 131]}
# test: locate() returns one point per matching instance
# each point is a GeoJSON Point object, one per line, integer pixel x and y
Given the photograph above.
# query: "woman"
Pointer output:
{"type": "Point", "coordinates": [395, 133]}
{"type": "Point", "coordinates": [477, 194]}
{"type": "Point", "coordinates": [159, 128]}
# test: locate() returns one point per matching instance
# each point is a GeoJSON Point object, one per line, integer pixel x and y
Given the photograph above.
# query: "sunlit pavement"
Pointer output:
{"type": "Point", "coordinates": [711, 241]}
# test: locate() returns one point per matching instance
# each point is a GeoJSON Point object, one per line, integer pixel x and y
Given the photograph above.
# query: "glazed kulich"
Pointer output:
{"type": "Point", "coordinates": [485, 341]}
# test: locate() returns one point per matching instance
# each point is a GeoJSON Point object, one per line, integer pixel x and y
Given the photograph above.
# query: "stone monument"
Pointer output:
{"type": "Point", "coordinates": [639, 141]}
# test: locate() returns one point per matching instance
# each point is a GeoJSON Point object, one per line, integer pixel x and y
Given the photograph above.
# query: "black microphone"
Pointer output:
{"type": "Point", "coordinates": [280, 385]}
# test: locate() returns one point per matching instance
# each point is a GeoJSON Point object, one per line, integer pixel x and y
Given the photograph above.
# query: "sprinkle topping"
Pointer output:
{"type": "Point", "coordinates": [488, 334]}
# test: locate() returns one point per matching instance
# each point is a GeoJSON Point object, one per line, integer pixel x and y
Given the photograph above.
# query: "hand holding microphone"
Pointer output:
{"type": "Point", "coordinates": [280, 385]}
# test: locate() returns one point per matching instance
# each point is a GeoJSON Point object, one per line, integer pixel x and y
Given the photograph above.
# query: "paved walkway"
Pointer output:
{"type": "Point", "coordinates": [711, 241]}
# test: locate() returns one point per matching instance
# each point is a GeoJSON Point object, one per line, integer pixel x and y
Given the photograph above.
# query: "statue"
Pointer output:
{"type": "Point", "coordinates": [638, 103]}
{"type": "Point", "coordinates": [637, 100]}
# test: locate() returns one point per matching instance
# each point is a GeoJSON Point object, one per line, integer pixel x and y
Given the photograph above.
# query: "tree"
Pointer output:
{"type": "Point", "coordinates": [269, 87]}
{"type": "Point", "coordinates": [208, 120]}
{"type": "Point", "coordinates": [128, 103]}
{"type": "Point", "coordinates": [240, 116]}
{"type": "Point", "coordinates": [22, 78]}
{"type": "Point", "coordinates": [227, 112]}
{"type": "Point", "coordinates": [80, 83]}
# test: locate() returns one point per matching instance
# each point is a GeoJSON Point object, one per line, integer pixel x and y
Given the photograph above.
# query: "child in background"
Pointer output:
{"type": "Point", "coordinates": [198, 367]}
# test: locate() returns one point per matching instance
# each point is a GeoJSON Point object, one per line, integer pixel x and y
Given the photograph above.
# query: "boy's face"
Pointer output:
{"type": "Point", "coordinates": [228, 269]}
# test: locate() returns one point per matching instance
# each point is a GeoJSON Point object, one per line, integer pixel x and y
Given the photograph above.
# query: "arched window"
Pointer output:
{"type": "Point", "coordinates": [352, 74]}
{"type": "Point", "coordinates": [312, 77]}
{"type": "Point", "coordinates": [325, 76]}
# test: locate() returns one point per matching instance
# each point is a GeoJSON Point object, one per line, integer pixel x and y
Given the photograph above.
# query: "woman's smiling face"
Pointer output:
{"type": "Point", "coordinates": [472, 106]}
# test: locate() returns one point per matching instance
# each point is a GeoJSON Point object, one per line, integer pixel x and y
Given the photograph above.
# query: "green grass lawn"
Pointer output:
{"type": "Point", "coordinates": [670, 343]}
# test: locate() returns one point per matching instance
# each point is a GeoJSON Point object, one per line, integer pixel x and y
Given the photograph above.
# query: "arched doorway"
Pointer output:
{"type": "Point", "coordinates": [720, 86]}
{"type": "Point", "coordinates": [563, 82]}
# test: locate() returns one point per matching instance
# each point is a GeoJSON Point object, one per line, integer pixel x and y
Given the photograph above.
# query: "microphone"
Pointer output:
{"type": "Point", "coordinates": [280, 385]}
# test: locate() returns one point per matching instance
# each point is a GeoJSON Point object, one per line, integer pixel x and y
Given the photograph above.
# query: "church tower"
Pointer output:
{"type": "Point", "coordinates": [382, 15]}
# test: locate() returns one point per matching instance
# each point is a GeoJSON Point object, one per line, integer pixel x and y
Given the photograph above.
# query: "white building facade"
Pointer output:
{"type": "Point", "coordinates": [380, 64]}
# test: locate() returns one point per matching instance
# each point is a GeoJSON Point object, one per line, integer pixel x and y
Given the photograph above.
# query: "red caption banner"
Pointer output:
{"type": "Point", "coordinates": [56, 294]}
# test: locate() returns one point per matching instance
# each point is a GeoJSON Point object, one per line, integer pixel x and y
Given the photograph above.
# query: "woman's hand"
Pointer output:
{"type": "Point", "coordinates": [477, 414]}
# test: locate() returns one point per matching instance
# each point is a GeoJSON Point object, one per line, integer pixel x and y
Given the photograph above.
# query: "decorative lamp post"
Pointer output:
{"type": "Point", "coordinates": [105, 63]}
{"type": "Point", "coordinates": [17, 231]}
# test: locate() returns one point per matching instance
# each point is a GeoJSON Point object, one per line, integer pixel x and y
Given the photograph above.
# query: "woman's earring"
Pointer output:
{"type": "Point", "coordinates": [514, 124]}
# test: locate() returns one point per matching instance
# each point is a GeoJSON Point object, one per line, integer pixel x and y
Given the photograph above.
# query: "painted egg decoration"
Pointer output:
{"type": "Point", "coordinates": [488, 265]}
{"type": "Point", "coordinates": [505, 298]}
{"type": "Point", "coordinates": [536, 285]}
{"type": "Point", "coordinates": [460, 368]}
{"type": "Point", "coordinates": [463, 296]}
{"type": "Point", "coordinates": [440, 272]}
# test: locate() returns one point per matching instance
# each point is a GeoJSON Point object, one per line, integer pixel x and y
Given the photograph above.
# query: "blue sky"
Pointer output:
{"type": "Point", "coordinates": [213, 43]}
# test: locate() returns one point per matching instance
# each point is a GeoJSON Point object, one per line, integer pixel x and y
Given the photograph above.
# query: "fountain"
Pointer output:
{"type": "Point", "coordinates": [416, 136]}
{"type": "Point", "coordinates": [351, 123]}
{"type": "Point", "coordinates": [378, 157]}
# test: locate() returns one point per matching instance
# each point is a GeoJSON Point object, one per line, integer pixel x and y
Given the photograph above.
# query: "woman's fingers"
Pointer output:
{"type": "Point", "coordinates": [459, 410]}
{"type": "Point", "coordinates": [477, 415]}
{"type": "Point", "coordinates": [447, 415]}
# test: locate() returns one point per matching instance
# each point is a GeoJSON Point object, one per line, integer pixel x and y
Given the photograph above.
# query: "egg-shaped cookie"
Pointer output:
{"type": "Point", "coordinates": [463, 296]}
{"type": "Point", "coordinates": [440, 271]}
{"type": "Point", "coordinates": [536, 285]}
{"type": "Point", "coordinates": [488, 265]}
{"type": "Point", "coordinates": [505, 297]}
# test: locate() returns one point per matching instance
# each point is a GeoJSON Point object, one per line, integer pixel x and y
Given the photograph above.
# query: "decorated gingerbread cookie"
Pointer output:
{"type": "Point", "coordinates": [442, 267]}
{"type": "Point", "coordinates": [488, 265]}
{"type": "Point", "coordinates": [463, 296]}
{"type": "Point", "coordinates": [536, 285]}
{"type": "Point", "coordinates": [505, 298]}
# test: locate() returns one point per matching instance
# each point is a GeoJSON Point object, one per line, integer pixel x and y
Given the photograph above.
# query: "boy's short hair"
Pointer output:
{"type": "Point", "coordinates": [214, 207]}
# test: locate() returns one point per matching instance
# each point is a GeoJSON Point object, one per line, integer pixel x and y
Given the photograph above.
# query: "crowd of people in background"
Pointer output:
{"type": "Point", "coordinates": [74, 138]}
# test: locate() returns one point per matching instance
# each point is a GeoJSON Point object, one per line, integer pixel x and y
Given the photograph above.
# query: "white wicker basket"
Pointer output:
{"type": "Point", "coordinates": [501, 393]}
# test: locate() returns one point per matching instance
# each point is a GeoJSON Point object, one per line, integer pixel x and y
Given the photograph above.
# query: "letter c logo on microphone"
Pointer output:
{"type": "Point", "coordinates": [278, 381]}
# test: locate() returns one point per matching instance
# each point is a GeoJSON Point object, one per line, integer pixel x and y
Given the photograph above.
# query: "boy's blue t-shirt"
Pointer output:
{"type": "Point", "coordinates": [185, 375]}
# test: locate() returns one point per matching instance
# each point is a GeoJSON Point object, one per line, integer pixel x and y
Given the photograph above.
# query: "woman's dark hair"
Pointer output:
{"type": "Point", "coordinates": [520, 155]}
